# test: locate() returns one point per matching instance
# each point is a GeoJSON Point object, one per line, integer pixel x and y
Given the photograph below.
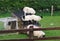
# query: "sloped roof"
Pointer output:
{"type": "Point", "coordinates": [19, 13]}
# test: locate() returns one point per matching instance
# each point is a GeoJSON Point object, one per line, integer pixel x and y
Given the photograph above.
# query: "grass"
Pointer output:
{"type": "Point", "coordinates": [47, 21]}
{"type": "Point", "coordinates": [12, 36]}
{"type": "Point", "coordinates": [1, 25]}
{"type": "Point", "coordinates": [56, 13]}
{"type": "Point", "coordinates": [6, 36]}
{"type": "Point", "coordinates": [5, 15]}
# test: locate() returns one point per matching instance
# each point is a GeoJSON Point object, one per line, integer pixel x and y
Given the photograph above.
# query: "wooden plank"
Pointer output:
{"type": "Point", "coordinates": [23, 30]}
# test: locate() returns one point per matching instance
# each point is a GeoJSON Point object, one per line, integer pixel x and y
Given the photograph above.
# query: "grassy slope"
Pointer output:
{"type": "Point", "coordinates": [8, 36]}
{"type": "Point", "coordinates": [12, 36]}
{"type": "Point", "coordinates": [48, 20]}
{"type": "Point", "coordinates": [1, 26]}
{"type": "Point", "coordinates": [45, 22]}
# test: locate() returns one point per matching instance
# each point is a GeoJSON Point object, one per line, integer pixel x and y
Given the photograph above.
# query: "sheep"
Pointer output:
{"type": "Point", "coordinates": [39, 34]}
{"type": "Point", "coordinates": [26, 18]}
{"type": "Point", "coordinates": [35, 17]}
{"type": "Point", "coordinates": [31, 17]}
{"type": "Point", "coordinates": [28, 10]}
{"type": "Point", "coordinates": [25, 9]}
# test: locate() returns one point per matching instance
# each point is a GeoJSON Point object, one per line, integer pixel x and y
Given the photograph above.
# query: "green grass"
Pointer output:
{"type": "Point", "coordinates": [13, 36]}
{"type": "Point", "coordinates": [48, 20]}
{"type": "Point", "coordinates": [1, 25]}
{"type": "Point", "coordinates": [45, 22]}
{"type": "Point", "coordinates": [55, 13]}
{"type": "Point", "coordinates": [6, 36]}
{"type": "Point", "coordinates": [5, 15]}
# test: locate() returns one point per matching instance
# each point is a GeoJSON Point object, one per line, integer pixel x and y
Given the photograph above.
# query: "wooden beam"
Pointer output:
{"type": "Point", "coordinates": [23, 30]}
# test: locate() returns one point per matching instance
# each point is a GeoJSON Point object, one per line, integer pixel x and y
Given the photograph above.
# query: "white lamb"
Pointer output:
{"type": "Point", "coordinates": [39, 34]}
{"type": "Point", "coordinates": [27, 18]}
{"type": "Point", "coordinates": [29, 10]}
{"type": "Point", "coordinates": [35, 17]}
{"type": "Point", "coordinates": [32, 17]}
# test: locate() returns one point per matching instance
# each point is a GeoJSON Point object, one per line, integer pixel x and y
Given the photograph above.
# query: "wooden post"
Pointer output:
{"type": "Point", "coordinates": [17, 25]}
{"type": "Point", "coordinates": [52, 10]}
{"type": "Point", "coordinates": [31, 33]}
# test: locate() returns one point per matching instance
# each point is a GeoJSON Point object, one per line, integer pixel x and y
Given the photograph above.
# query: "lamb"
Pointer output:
{"type": "Point", "coordinates": [26, 18]}
{"type": "Point", "coordinates": [31, 17]}
{"type": "Point", "coordinates": [39, 34]}
{"type": "Point", "coordinates": [28, 10]}
{"type": "Point", "coordinates": [35, 17]}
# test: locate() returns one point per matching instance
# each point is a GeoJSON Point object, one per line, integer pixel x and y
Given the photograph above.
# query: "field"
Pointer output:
{"type": "Point", "coordinates": [47, 21]}
{"type": "Point", "coordinates": [51, 21]}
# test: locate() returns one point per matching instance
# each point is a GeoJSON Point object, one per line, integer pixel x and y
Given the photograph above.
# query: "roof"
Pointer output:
{"type": "Point", "coordinates": [19, 13]}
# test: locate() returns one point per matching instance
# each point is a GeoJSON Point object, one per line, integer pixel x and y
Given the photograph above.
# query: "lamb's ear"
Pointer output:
{"type": "Point", "coordinates": [41, 16]}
